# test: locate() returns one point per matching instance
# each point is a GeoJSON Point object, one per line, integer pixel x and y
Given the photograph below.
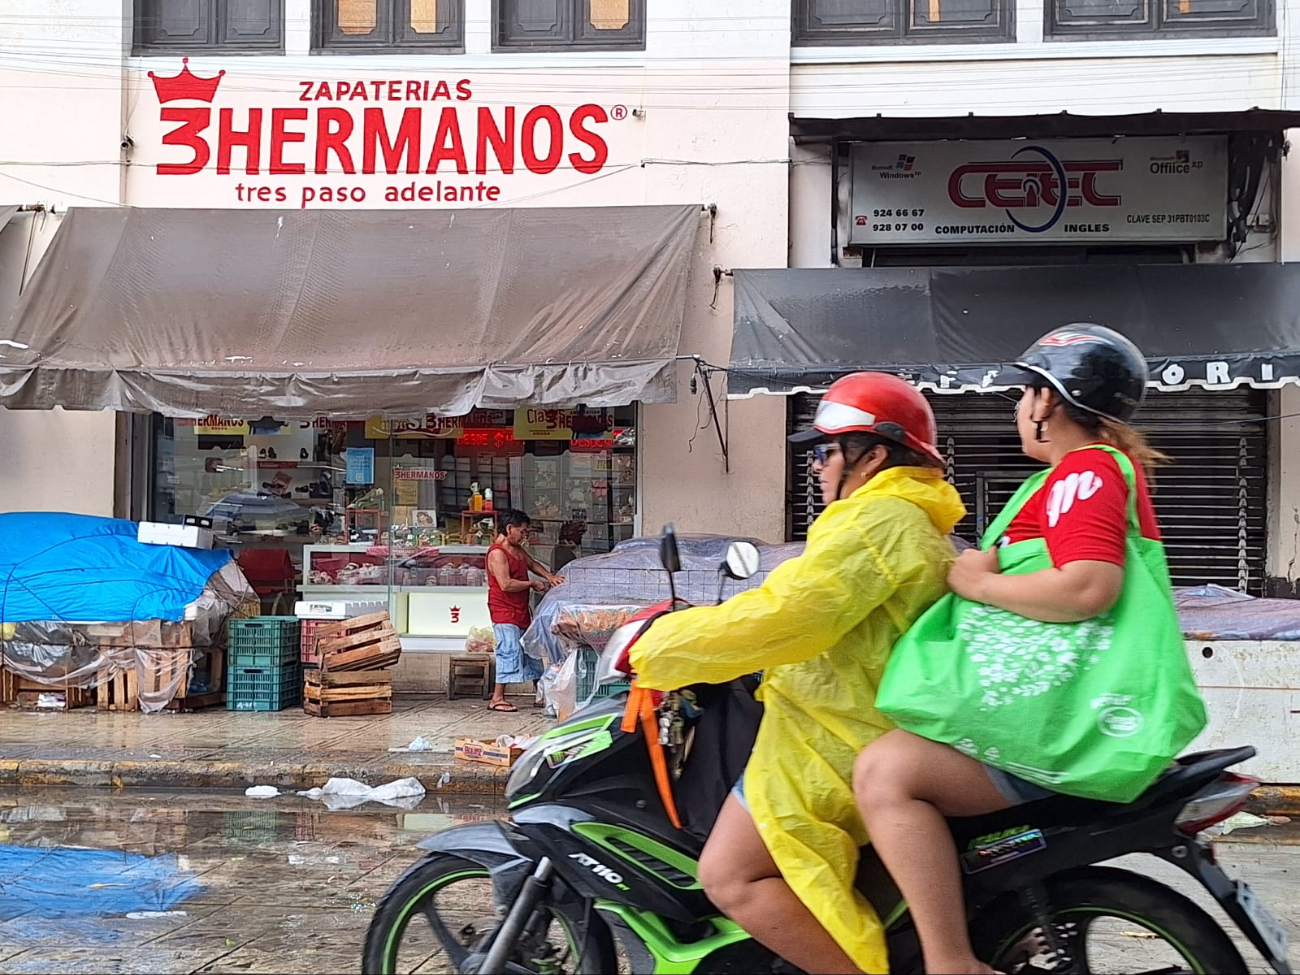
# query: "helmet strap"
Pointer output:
{"type": "Point", "coordinates": [1039, 427]}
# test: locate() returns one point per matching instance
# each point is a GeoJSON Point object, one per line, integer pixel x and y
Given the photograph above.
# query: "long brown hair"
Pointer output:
{"type": "Point", "coordinates": [1123, 437]}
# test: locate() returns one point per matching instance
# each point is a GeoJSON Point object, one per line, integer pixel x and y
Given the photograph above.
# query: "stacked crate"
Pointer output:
{"type": "Point", "coordinates": [355, 673]}
{"type": "Point", "coordinates": [265, 672]}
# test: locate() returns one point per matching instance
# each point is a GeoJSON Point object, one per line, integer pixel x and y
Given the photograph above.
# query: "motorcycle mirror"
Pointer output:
{"type": "Point", "coordinates": [742, 561]}
{"type": "Point", "coordinates": [669, 554]}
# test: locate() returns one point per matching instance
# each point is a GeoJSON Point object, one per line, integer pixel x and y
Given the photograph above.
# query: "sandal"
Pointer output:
{"type": "Point", "coordinates": [502, 706]}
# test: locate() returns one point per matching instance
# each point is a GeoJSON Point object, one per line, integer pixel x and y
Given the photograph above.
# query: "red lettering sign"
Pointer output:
{"type": "Point", "coordinates": [425, 137]}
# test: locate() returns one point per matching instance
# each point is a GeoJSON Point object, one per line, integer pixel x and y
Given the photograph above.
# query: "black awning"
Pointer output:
{"type": "Point", "coordinates": [951, 329]}
{"type": "Point", "coordinates": [352, 313]}
{"type": "Point", "coordinates": [880, 128]}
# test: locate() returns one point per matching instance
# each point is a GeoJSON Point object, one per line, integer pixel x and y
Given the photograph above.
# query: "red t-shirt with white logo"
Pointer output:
{"type": "Point", "coordinates": [1082, 510]}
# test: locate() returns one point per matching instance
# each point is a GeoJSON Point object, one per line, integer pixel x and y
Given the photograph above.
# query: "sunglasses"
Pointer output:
{"type": "Point", "coordinates": [823, 452]}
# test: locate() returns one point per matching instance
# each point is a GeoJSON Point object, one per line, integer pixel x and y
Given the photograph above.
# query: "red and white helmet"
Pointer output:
{"type": "Point", "coordinates": [879, 404]}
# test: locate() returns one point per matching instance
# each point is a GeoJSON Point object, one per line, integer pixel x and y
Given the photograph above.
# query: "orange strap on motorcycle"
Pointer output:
{"type": "Point", "coordinates": [640, 704]}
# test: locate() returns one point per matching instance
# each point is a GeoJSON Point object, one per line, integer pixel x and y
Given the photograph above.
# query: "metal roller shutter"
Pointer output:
{"type": "Point", "coordinates": [1211, 500]}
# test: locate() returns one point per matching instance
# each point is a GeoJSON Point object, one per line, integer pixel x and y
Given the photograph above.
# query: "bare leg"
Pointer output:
{"type": "Point", "coordinates": [742, 881]}
{"type": "Point", "coordinates": [499, 702]}
{"type": "Point", "coordinates": [905, 786]}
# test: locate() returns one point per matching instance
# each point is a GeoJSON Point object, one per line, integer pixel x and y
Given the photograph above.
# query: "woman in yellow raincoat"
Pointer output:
{"type": "Point", "coordinates": [782, 857]}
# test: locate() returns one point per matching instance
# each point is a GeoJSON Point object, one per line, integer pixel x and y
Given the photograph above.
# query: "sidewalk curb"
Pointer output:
{"type": "Point", "coordinates": [1276, 800]}
{"type": "Point", "coordinates": [462, 778]}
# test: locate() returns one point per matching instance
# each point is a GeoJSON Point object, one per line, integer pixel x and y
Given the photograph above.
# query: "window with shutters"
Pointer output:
{"type": "Point", "coordinates": [1143, 18]}
{"type": "Point", "coordinates": [552, 25]}
{"type": "Point", "coordinates": [220, 26]}
{"type": "Point", "coordinates": [390, 26]}
{"type": "Point", "coordinates": [1211, 500]}
{"type": "Point", "coordinates": [892, 21]}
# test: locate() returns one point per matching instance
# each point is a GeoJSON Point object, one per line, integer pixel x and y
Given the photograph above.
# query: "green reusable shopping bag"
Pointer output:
{"type": "Point", "coordinates": [1096, 708]}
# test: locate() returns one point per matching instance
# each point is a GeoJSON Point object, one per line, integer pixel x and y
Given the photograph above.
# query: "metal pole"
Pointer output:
{"type": "Point", "coordinates": [520, 912]}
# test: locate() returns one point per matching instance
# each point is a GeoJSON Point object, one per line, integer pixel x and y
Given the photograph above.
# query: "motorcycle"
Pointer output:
{"type": "Point", "coordinates": [596, 863]}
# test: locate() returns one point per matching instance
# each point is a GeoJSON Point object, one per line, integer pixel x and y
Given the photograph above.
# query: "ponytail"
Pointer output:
{"type": "Point", "coordinates": [1123, 437]}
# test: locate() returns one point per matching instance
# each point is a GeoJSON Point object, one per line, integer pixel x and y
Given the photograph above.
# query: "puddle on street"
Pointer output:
{"type": "Point", "coordinates": [185, 881]}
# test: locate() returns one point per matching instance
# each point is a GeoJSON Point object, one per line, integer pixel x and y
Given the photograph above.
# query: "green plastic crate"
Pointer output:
{"type": "Point", "coordinates": [588, 662]}
{"type": "Point", "coordinates": [263, 688]}
{"type": "Point", "coordinates": [264, 641]}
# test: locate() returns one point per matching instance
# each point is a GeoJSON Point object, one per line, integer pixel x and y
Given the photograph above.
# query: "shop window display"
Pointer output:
{"type": "Point", "coordinates": [399, 509]}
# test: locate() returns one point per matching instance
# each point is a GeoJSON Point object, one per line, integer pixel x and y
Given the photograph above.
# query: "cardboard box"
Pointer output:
{"type": "Point", "coordinates": [486, 752]}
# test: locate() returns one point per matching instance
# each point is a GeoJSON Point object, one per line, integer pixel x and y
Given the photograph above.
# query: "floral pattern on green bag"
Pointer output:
{"type": "Point", "coordinates": [1018, 657]}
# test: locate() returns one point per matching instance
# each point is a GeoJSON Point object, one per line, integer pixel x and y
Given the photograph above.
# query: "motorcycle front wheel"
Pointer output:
{"type": "Point", "coordinates": [440, 917]}
{"type": "Point", "coordinates": [1108, 920]}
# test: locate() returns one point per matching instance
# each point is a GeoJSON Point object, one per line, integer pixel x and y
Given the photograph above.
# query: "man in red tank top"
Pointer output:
{"type": "Point", "coordinates": [509, 587]}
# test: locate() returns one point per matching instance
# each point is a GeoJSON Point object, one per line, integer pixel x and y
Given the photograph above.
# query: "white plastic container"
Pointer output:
{"type": "Point", "coordinates": [337, 609]}
{"type": "Point", "coordinates": [180, 536]}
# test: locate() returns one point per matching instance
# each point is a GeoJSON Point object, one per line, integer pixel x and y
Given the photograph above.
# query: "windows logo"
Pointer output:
{"type": "Point", "coordinates": [904, 163]}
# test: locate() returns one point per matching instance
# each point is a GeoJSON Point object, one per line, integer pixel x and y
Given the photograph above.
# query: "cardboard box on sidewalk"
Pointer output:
{"type": "Point", "coordinates": [486, 752]}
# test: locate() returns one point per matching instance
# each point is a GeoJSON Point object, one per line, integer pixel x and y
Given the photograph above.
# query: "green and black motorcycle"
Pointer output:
{"type": "Point", "coordinates": [589, 874]}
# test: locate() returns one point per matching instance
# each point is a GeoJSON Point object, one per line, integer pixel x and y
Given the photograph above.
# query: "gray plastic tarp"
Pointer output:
{"type": "Point", "coordinates": [351, 313]}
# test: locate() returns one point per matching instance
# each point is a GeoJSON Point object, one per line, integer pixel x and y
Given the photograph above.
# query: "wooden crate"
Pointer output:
{"type": "Point", "coordinates": [327, 694]}
{"type": "Point", "coordinates": [121, 692]}
{"type": "Point", "coordinates": [214, 667]}
{"type": "Point", "coordinates": [362, 643]}
{"type": "Point", "coordinates": [26, 693]}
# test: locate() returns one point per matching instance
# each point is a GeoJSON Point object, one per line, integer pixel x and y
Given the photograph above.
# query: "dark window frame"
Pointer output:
{"type": "Point", "coordinates": [1157, 25]}
{"type": "Point", "coordinates": [902, 31]}
{"type": "Point", "coordinates": [214, 41]}
{"type": "Point", "coordinates": [391, 14]}
{"type": "Point", "coordinates": [575, 20]}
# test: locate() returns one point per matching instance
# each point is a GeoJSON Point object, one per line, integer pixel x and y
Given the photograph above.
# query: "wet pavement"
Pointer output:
{"type": "Point", "coordinates": [204, 883]}
{"type": "Point", "coordinates": [124, 881]}
{"type": "Point", "coordinates": [219, 749]}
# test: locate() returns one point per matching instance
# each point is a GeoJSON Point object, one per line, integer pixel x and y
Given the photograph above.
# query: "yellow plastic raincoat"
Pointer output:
{"type": "Point", "coordinates": [821, 628]}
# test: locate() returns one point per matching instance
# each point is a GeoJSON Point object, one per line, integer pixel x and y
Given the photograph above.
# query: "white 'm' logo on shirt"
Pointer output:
{"type": "Point", "coordinates": [1064, 493]}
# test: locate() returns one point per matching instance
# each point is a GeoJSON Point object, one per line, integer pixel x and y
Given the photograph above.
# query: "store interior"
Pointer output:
{"type": "Point", "coordinates": [398, 510]}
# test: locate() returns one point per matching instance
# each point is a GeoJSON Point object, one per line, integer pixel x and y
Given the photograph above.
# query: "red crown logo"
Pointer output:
{"type": "Point", "coordinates": [186, 85]}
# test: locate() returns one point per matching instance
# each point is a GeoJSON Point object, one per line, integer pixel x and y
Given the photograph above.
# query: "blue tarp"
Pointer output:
{"type": "Point", "coordinates": [84, 569]}
{"type": "Point", "coordinates": [63, 882]}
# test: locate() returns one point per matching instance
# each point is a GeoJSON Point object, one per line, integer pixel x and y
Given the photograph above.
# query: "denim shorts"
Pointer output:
{"type": "Point", "coordinates": [1014, 789]}
{"type": "Point", "coordinates": [513, 665]}
{"type": "Point", "coordinates": [738, 790]}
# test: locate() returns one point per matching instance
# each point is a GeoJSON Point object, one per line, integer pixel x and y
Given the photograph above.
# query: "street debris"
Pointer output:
{"type": "Point", "coordinates": [349, 793]}
{"type": "Point", "coordinates": [420, 744]}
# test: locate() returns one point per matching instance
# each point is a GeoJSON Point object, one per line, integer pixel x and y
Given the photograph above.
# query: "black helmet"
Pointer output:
{"type": "Point", "coordinates": [1091, 366]}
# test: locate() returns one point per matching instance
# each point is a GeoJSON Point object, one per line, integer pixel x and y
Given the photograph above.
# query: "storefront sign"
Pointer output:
{"type": "Point", "coordinates": [1041, 191]}
{"type": "Point", "coordinates": [215, 426]}
{"type": "Point", "coordinates": [431, 427]}
{"type": "Point", "coordinates": [418, 474]}
{"type": "Point", "coordinates": [553, 424]}
{"type": "Point", "coordinates": [369, 138]}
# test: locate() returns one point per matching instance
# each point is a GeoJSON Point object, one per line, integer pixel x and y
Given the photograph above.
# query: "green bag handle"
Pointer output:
{"type": "Point", "coordinates": [1034, 482]}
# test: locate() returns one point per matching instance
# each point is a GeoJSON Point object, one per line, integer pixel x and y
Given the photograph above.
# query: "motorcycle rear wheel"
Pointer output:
{"type": "Point", "coordinates": [465, 933]}
{"type": "Point", "coordinates": [1081, 899]}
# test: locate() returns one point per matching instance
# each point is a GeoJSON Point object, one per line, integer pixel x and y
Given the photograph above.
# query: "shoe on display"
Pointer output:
{"type": "Point", "coordinates": [270, 452]}
{"type": "Point", "coordinates": [303, 455]}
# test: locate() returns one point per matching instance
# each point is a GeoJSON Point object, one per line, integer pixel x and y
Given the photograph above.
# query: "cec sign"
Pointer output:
{"type": "Point", "coordinates": [1040, 191]}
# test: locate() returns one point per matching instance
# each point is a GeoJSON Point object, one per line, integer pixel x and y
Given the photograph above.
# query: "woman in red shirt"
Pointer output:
{"type": "Point", "coordinates": [1082, 383]}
